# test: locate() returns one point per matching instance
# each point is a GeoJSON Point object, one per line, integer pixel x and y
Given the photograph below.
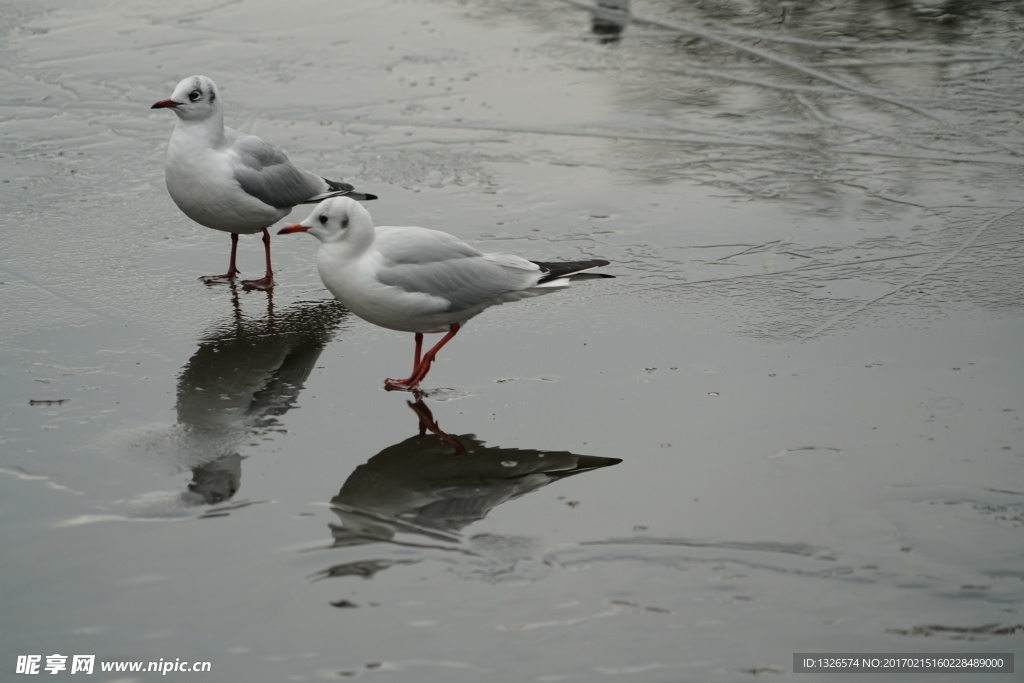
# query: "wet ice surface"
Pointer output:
{"type": "Point", "coordinates": [809, 364]}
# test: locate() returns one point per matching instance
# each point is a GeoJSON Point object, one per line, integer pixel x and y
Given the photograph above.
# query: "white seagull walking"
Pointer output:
{"type": "Point", "coordinates": [230, 181]}
{"type": "Point", "coordinates": [419, 280]}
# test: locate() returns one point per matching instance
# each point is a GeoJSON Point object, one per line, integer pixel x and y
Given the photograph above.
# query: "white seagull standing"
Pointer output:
{"type": "Point", "coordinates": [420, 280]}
{"type": "Point", "coordinates": [230, 181]}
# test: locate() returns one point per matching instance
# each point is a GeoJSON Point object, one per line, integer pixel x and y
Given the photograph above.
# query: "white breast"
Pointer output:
{"type": "Point", "coordinates": [200, 182]}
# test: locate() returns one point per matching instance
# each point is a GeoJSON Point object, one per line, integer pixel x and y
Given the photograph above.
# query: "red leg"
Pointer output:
{"type": "Point", "coordinates": [267, 281]}
{"type": "Point", "coordinates": [232, 271]}
{"type": "Point", "coordinates": [419, 348]}
{"type": "Point", "coordinates": [423, 366]}
{"type": "Point", "coordinates": [415, 364]}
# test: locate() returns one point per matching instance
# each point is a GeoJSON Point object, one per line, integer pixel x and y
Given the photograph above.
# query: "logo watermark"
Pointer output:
{"type": "Point", "coordinates": [87, 664]}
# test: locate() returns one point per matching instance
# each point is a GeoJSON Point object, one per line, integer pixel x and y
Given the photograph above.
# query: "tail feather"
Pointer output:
{"type": "Point", "coordinates": [563, 269]}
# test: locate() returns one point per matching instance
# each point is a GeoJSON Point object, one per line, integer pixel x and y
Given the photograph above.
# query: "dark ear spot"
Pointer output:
{"type": "Point", "coordinates": [344, 222]}
{"type": "Point", "coordinates": [213, 96]}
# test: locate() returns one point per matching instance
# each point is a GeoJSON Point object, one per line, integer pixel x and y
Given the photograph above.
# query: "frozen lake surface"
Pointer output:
{"type": "Point", "coordinates": [792, 423]}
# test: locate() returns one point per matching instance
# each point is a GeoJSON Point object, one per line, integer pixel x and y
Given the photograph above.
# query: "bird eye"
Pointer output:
{"type": "Point", "coordinates": [194, 95]}
{"type": "Point", "coordinates": [323, 219]}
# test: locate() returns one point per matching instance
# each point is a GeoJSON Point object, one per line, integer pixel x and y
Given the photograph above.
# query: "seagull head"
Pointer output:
{"type": "Point", "coordinates": [333, 220]}
{"type": "Point", "coordinates": [194, 99]}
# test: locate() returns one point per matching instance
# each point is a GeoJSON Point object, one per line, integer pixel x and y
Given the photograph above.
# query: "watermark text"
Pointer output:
{"type": "Point", "coordinates": [87, 664]}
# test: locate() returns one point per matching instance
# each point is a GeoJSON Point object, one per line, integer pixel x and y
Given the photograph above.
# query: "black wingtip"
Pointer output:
{"type": "Point", "coordinates": [341, 189]}
{"type": "Point", "coordinates": [351, 194]}
{"type": "Point", "coordinates": [571, 269]}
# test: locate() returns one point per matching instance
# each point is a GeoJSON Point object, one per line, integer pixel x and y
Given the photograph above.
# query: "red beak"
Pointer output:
{"type": "Point", "coordinates": [165, 104]}
{"type": "Point", "coordinates": [289, 229]}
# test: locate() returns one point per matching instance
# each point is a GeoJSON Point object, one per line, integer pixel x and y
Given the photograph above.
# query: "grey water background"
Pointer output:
{"type": "Point", "coordinates": [793, 420]}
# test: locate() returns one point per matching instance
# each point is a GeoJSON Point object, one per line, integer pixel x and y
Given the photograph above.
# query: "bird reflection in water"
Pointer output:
{"type": "Point", "coordinates": [245, 374]}
{"type": "Point", "coordinates": [435, 484]}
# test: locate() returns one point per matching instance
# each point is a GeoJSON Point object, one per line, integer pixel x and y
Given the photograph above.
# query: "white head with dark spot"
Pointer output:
{"type": "Point", "coordinates": [336, 220]}
{"type": "Point", "coordinates": [194, 99]}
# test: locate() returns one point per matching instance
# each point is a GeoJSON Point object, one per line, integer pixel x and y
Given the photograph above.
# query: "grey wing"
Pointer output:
{"type": "Point", "coordinates": [263, 171]}
{"type": "Point", "coordinates": [441, 265]}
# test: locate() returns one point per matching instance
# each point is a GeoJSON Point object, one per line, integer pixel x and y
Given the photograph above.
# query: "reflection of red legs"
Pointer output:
{"type": "Point", "coordinates": [421, 366]}
{"type": "Point", "coordinates": [232, 271]}
{"type": "Point", "coordinates": [267, 281]}
{"type": "Point", "coordinates": [427, 422]}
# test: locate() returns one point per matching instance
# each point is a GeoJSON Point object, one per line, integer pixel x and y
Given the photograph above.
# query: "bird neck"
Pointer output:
{"type": "Point", "coordinates": [209, 131]}
{"type": "Point", "coordinates": [356, 243]}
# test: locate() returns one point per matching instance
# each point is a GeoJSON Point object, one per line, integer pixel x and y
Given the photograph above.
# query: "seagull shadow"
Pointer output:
{"type": "Point", "coordinates": [246, 373]}
{"type": "Point", "coordinates": [433, 485]}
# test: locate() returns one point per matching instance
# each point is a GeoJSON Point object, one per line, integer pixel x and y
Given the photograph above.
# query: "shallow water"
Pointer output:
{"type": "Point", "coordinates": [792, 422]}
